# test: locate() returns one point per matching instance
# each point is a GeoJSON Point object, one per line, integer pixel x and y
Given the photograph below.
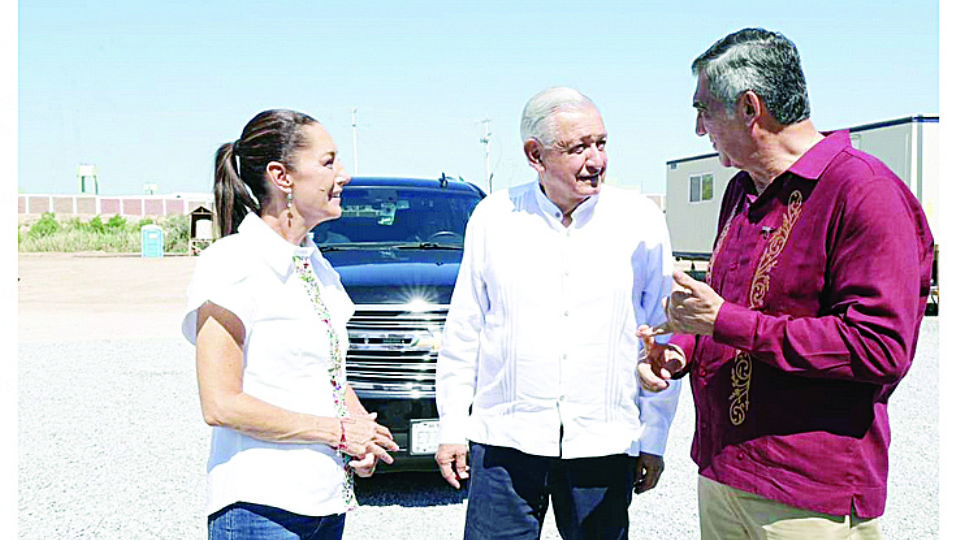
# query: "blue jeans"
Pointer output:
{"type": "Point", "coordinates": [256, 521]}
{"type": "Point", "coordinates": [510, 492]}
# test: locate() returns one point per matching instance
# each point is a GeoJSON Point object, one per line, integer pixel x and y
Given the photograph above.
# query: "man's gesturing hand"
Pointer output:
{"type": "Point", "coordinates": [452, 459]}
{"type": "Point", "coordinates": [659, 363]}
{"type": "Point", "coordinates": [693, 306]}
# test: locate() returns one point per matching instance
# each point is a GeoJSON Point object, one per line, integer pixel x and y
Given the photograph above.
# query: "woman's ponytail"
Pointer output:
{"type": "Point", "coordinates": [230, 194]}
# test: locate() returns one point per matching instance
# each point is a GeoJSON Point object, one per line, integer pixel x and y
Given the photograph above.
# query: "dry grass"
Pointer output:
{"type": "Point", "coordinates": [117, 235]}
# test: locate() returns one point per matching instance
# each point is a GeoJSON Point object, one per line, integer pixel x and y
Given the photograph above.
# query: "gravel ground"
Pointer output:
{"type": "Point", "coordinates": [112, 445]}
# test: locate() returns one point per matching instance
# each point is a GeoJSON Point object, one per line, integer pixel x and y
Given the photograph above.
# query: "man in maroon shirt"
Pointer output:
{"type": "Point", "coordinates": [810, 312]}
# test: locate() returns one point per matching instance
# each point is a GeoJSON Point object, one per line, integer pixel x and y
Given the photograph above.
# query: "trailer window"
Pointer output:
{"type": "Point", "coordinates": [701, 187]}
{"type": "Point", "coordinates": [706, 187]}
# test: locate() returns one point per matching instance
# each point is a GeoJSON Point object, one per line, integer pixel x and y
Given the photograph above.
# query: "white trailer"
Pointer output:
{"type": "Point", "coordinates": [910, 146]}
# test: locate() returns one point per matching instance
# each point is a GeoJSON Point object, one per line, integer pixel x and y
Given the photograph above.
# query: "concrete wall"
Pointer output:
{"type": "Point", "coordinates": [29, 206]}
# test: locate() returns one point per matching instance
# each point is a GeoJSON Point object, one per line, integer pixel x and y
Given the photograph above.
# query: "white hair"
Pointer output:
{"type": "Point", "coordinates": [536, 121]}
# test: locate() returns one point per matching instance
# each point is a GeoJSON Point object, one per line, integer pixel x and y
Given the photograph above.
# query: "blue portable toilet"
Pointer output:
{"type": "Point", "coordinates": [151, 241]}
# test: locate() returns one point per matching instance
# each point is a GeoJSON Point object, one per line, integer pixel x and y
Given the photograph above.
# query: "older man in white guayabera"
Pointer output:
{"type": "Point", "coordinates": [536, 376]}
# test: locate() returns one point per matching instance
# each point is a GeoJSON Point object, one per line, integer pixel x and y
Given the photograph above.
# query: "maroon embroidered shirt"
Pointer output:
{"type": "Point", "coordinates": [825, 277]}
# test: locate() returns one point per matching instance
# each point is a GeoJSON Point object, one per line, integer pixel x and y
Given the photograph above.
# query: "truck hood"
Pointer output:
{"type": "Point", "coordinates": [397, 276]}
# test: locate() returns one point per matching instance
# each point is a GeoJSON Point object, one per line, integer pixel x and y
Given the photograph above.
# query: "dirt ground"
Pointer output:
{"type": "Point", "coordinates": [92, 296]}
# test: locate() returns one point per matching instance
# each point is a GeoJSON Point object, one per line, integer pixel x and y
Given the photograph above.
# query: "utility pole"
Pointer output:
{"type": "Point", "coordinates": [356, 158]}
{"type": "Point", "coordinates": [485, 141]}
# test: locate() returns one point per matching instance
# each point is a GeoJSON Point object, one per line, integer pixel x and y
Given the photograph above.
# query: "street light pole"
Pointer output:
{"type": "Point", "coordinates": [486, 153]}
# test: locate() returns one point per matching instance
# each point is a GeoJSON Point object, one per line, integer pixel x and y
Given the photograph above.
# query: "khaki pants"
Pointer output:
{"type": "Point", "coordinates": [730, 514]}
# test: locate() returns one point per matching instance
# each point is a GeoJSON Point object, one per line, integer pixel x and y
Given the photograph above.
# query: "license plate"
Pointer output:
{"type": "Point", "coordinates": [423, 436]}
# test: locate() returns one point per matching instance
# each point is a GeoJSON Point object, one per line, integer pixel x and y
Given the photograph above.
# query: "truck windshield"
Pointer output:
{"type": "Point", "coordinates": [429, 216]}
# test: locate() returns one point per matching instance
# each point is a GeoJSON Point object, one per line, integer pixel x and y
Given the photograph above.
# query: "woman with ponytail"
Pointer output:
{"type": "Point", "coordinates": [268, 317]}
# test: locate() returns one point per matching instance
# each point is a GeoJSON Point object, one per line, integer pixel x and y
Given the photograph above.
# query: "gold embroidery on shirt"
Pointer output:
{"type": "Point", "coordinates": [743, 364]}
{"type": "Point", "coordinates": [761, 279]}
{"type": "Point", "coordinates": [742, 367]}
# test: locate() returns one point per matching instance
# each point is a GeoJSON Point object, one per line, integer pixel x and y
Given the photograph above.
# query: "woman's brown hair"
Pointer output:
{"type": "Point", "coordinates": [239, 184]}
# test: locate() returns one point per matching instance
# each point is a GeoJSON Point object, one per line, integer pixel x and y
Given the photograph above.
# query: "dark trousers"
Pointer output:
{"type": "Point", "coordinates": [510, 491]}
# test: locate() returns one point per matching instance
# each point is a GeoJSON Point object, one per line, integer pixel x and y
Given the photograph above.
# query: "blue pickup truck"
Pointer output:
{"type": "Point", "coordinates": [397, 249]}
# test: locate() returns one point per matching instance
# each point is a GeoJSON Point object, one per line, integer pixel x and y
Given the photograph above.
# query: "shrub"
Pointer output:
{"type": "Point", "coordinates": [176, 231]}
{"type": "Point", "coordinates": [96, 225]}
{"type": "Point", "coordinates": [117, 222]}
{"type": "Point", "coordinates": [46, 226]}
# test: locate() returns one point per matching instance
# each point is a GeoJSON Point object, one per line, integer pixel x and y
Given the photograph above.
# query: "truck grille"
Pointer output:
{"type": "Point", "coordinates": [393, 350]}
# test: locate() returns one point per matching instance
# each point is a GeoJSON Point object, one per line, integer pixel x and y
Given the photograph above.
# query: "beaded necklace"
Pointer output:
{"type": "Point", "coordinates": [304, 271]}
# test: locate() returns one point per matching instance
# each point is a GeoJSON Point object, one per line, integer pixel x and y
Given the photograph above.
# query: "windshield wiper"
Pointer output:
{"type": "Point", "coordinates": [346, 246]}
{"type": "Point", "coordinates": [428, 245]}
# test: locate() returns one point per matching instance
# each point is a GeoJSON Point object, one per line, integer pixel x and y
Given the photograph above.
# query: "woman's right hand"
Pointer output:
{"type": "Point", "coordinates": [365, 436]}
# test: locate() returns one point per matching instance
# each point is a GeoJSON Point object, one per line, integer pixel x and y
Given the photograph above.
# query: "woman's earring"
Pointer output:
{"type": "Point", "coordinates": [290, 201]}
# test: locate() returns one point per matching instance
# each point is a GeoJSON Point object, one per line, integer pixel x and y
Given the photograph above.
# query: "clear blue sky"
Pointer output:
{"type": "Point", "coordinates": [147, 90]}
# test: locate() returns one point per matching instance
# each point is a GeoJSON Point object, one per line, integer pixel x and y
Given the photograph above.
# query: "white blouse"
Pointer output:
{"type": "Point", "coordinates": [286, 353]}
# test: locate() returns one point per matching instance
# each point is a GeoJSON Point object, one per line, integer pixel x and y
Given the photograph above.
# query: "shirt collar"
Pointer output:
{"type": "Point", "coordinates": [582, 212]}
{"type": "Point", "coordinates": [815, 160]}
{"type": "Point", "coordinates": [810, 165]}
{"type": "Point", "coordinates": [276, 252]}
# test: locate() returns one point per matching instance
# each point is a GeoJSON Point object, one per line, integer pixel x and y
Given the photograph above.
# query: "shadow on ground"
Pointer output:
{"type": "Point", "coordinates": [408, 489]}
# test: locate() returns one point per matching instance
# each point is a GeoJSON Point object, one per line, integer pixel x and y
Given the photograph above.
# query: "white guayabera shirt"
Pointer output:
{"type": "Point", "coordinates": [541, 330]}
{"type": "Point", "coordinates": [286, 361]}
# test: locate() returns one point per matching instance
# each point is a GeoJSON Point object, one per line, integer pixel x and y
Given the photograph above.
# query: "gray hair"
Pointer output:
{"type": "Point", "coordinates": [760, 60]}
{"type": "Point", "coordinates": [536, 122]}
